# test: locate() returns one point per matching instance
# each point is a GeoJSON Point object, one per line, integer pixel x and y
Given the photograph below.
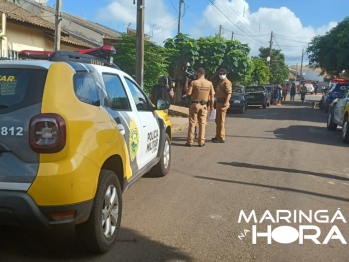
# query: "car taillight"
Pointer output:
{"type": "Point", "coordinates": [47, 133]}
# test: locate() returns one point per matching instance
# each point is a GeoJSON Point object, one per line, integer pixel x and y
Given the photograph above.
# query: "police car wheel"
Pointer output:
{"type": "Point", "coordinates": [345, 133]}
{"type": "Point", "coordinates": [99, 232]}
{"type": "Point", "coordinates": [330, 125]}
{"type": "Point", "coordinates": [163, 167]}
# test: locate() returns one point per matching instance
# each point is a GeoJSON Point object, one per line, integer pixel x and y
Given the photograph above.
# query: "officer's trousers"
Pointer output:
{"type": "Point", "coordinates": [197, 114]}
{"type": "Point", "coordinates": [221, 112]}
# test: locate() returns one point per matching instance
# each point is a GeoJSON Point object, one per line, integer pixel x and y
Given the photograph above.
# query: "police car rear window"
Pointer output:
{"type": "Point", "coordinates": [255, 89]}
{"type": "Point", "coordinates": [20, 87]}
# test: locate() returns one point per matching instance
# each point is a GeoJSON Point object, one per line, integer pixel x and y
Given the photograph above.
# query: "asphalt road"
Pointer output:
{"type": "Point", "coordinates": [279, 158]}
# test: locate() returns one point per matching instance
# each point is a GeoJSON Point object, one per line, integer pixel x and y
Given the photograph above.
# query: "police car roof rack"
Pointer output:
{"type": "Point", "coordinates": [99, 56]}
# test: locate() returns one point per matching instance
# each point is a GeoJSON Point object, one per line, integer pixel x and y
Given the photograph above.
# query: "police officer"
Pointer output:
{"type": "Point", "coordinates": [201, 91]}
{"type": "Point", "coordinates": [223, 94]}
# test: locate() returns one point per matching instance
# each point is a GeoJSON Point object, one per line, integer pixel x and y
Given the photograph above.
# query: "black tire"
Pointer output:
{"type": "Point", "coordinates": [91, 232]}
{"type": "Point", "coordinates": [326, 109]}
{"type": "Point", "coordinates": [264, 105]}
{"type": "Point", "coordinates": [345, 133]}
{"type": "Point", "coordinates": [163, 167]}
{"type": "Point", "coordinates": [242, 111]}
{"type": "Point", "coordinates": [330, 125]}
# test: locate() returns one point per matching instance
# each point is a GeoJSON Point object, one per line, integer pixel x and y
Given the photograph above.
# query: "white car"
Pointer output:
{"type": "Point", "coordinates": [310, 88]}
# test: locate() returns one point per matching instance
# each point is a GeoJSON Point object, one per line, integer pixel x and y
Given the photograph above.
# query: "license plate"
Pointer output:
{"type": "Point", "coordinates": [250, 96]}
{"type": "Point", "coordinates": [237, 101]}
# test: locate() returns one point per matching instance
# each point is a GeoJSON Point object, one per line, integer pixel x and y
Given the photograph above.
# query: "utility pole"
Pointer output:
{"type": "Point", "coordinates": [58, 25]}
{"type": "Point", "coordinates": [232, 35]}
{"type": "Point", "coordinates": [302, 66]}
{"type": "Point", "coordinates": [296, 71]}
{"type": "Point", "coordinates": [220, 30]}
{"type": "Point", "coordinates": [140, 43]}
{"type": "Point", "coordinates": [180, 15]}
{"type": "Point", "coordinates": [270, 46]}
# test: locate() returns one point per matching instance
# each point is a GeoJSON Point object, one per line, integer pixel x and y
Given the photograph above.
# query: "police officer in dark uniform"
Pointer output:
{"type": "Point", "coordinates": [223, 95]}
{"type": "Point", "coordinates": [201, 91]}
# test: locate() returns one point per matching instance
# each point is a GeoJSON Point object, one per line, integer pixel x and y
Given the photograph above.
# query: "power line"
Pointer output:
{"type": "Point", "coordinates": [279, 47]}
{"type": "Point", "coordinates": [292, 40]}
{"type": "Point", "coordinates": [231, 20]}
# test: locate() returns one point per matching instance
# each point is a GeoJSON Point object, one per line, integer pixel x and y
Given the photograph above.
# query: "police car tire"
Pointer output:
{"type": "Point", "coordinates": [91, 233]}
{"type": "Point", "coordinates": [160, 170]}
{"type": "Point", "coordinates": [330, 125]}
{"type": "Point", "coordinates": [345, 138]}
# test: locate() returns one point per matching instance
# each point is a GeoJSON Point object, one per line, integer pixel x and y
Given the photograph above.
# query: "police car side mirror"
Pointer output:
{"type": "Point", "coordinates": [162, 104]}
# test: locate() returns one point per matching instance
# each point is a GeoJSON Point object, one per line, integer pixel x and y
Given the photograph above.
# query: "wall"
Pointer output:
{"type": "Point", "coordinates": [20, 38]}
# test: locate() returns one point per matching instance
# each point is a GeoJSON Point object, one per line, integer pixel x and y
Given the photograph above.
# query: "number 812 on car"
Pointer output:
{"type": "Point", "coordinates": [11, 131]}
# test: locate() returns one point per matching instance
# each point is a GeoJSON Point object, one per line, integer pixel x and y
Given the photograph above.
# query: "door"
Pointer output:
{"type": "Point", "coordinates": [127, 120]}
{"type": "Point", "coordinates": [149, 123]}
{"type": "Point", "coordinates": [343, 103]}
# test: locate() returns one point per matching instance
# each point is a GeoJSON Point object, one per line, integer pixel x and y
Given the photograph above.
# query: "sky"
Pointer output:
{"type": "Point", "coordinates": [294, 22]}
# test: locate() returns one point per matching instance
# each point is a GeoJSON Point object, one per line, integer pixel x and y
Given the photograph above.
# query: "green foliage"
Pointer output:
{"type": "Point", "coordinates": [184, 50]}
{"type": "Point", "coordinates": [279, 71]}
{"type": "Point", "coordinates": [260, 72]}
{"type": "Point", "coordinates": [212, 53]}
{"type": "Point", "coordinates": [155, 59]}
{"type": "Point", "coordinates": [330, 52]}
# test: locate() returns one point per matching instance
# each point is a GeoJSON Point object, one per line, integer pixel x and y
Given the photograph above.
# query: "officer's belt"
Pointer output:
{"type": "Point", "coordinates": [202, 102]}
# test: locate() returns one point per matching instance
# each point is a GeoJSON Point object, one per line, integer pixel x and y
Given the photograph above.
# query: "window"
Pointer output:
{"type": "Point", "coordinates": [141, 101]}
{"type": "Point", "coordinates": [116, 92]}
{"type": "Point", "coordinates": [20, 87]}
{"type": "Point", "coordinates": [255, 89]}
{"type": "Point", "coordinates": [86, 89]}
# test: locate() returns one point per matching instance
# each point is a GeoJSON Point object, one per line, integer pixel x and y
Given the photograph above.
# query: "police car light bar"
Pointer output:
{"type": "Point", "coordinates": [105, 52]}
{"type": "Point", "coordinates": [29, 54]}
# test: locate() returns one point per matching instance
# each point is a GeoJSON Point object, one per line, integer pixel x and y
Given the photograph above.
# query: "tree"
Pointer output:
{"type": "Point", "coordinates": [330, 52]}
{"type": "Point", "coordinates": [260, 72]}
{"type": "Point", "coordinates": [279, 71]}
{"type": "Point", "coordinates": [212, 53]}
{"type": "Point", "coordinates": [155, 59]}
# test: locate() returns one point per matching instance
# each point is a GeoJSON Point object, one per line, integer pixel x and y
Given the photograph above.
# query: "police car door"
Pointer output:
{"type": "Point", "coordinates": [126, 118]}
{"type": "Point", "coordinates": [342, 103]}
{"type": "Point", "coordinates": [149, 120]}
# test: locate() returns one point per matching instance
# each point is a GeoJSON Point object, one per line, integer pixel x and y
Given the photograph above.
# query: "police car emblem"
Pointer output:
{"type": "Point", "coordinates": [134, 140]}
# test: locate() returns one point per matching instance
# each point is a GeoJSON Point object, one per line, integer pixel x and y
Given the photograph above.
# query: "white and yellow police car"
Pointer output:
{"type": "Point", "coordinates": [75, 133]}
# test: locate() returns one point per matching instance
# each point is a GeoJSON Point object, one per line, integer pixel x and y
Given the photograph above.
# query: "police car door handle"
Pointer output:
{"type": "Point", "coordinates": [121, 129]}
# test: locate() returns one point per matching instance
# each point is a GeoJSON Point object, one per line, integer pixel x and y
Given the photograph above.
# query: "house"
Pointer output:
{"type": "Point", "coordinates": [89, 32]}
{"type": "Point", "coordinates": [24, 30]}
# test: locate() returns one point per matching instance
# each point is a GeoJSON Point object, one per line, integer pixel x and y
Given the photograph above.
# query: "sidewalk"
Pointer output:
{"type": "Point", "coordinates": [179, 118]}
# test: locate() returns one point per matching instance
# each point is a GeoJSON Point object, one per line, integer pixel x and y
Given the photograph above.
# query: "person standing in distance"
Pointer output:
{"type": "Point", "coordinates": [223, 95]}
{"type": "Point", "coordinates": [201, 91]}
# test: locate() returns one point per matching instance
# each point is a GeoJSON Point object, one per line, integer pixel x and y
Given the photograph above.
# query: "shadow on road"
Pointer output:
{"type": "Point", "coordinates": [308, 134]}
{"type": "Point", "coordinates": [293, 112]}
{"type": "Point", "coordinates": [280, 169]}
{"type": "Point", "coordinates": [61, 244]}
{"type": "Point", "coordinates": [276, 188]}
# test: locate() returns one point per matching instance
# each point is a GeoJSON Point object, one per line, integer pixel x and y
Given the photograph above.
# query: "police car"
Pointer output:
{"type": "Point", "coordinates": [339, 114]}
{"type": "Point", "coordinates": [75, 133]}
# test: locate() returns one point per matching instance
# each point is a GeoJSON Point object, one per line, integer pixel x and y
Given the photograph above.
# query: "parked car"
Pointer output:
{"type": "Point", "coordinates": [338, 115]}
{"type": "Point", "coordinates": [238, 101]}
{"type": "Point", "coordinates": [257, 95]}
{"type": "Point", "coordinates": [76, 133]}
{"type": "Point", "coordinates": [310, 88]}
{"type": "Point", "coordinates": [336, 90]}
